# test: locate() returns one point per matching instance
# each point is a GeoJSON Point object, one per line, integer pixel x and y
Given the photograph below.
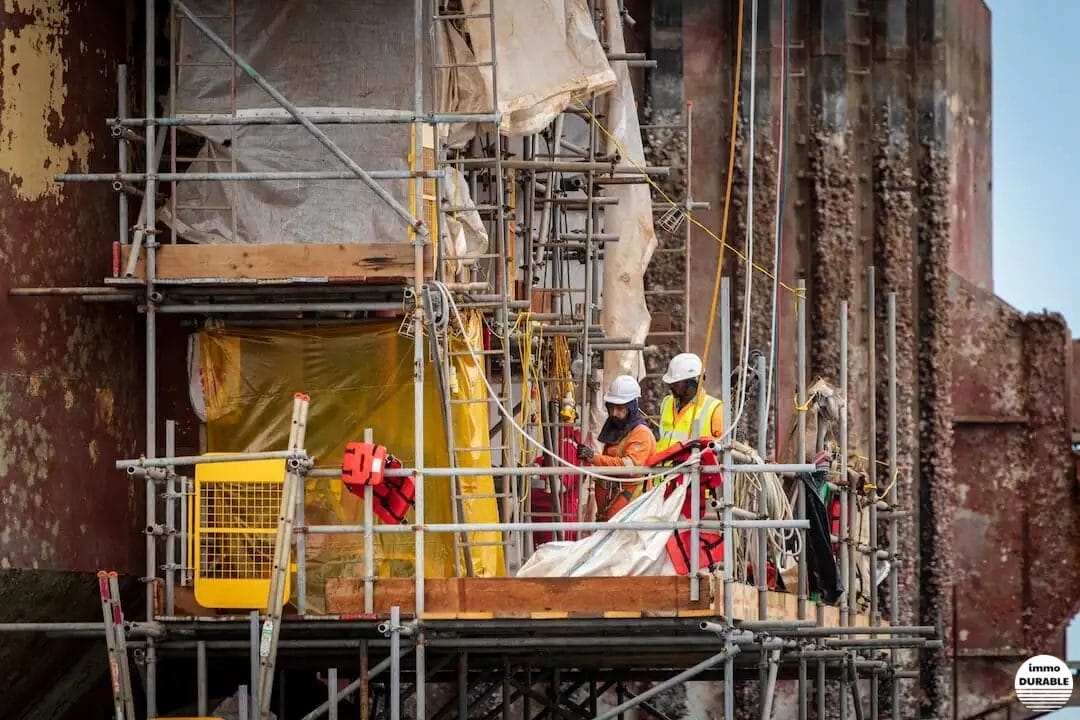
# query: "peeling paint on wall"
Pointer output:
{"type": "Point", "coordinates": [34, 92]}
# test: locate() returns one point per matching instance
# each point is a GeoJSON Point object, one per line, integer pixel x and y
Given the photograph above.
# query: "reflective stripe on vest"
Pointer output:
{"type": "Point", "coordinates": [694, 423]}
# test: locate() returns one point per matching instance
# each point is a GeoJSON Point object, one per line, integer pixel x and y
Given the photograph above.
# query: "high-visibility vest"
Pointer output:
{"type": "Point", "coordinates": [694, 422]}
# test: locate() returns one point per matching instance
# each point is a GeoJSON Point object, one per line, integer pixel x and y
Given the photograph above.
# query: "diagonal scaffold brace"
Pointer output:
{"type": "Point", "coordinates": [268, 639]}
{"type": "Point", "coordinates": [116, 643]}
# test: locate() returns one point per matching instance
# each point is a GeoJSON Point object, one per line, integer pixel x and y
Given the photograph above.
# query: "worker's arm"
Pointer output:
{"type": "Point", "coordinates": [640, 445]}
{"type": "Point", "coordinates": [716, 424]}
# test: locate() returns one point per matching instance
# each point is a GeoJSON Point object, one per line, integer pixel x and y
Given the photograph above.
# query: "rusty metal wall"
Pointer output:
{"type": "Point", "coordinates": [890, 165]}
{"type": "Point", "coordinates": [1018, 522]}
{"type": "Point", "coordinates": [70, 387]}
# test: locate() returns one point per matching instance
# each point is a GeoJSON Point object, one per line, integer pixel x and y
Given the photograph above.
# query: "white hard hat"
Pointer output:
{"type": "Point", "coordinates": [624, 389]}
{"type": "Point", "coordinates": [684, 366]}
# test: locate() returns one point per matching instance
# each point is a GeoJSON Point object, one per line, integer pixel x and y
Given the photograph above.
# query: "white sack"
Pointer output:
{"type": "Point", "coordinates": [616, 553]}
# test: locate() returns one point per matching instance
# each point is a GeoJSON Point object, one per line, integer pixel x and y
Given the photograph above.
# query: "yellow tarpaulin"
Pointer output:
{"type": "Point", "coordinates": [358, 376]}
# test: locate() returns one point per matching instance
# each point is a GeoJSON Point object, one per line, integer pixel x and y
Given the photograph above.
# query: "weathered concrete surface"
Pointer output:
{"type": "Point", "coordinates": [969, 102]}
{"type": "Point", "coordinates": [1018, 526]}
{"type": "Point", "coordinates": [69, 372]}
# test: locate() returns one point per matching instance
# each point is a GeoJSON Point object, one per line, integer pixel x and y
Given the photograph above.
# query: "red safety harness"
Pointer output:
{"type": "Point", "coordinates": [366, 464]}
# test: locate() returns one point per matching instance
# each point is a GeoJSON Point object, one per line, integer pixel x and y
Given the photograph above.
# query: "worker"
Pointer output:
{"type": "Point", "coordinates": [627, 441]}
{"type": "Point", "coordinates": [688, 413]}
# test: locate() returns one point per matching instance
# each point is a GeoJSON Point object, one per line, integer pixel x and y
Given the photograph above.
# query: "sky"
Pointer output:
{"type": "Point", "coordinates": [1036, 155]}
{"type": "Point", "coordinates": [1036, 168]}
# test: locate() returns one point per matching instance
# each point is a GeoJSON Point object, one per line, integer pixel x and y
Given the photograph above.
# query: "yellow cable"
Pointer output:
{"type": "Point", "coordinates": [727, 191]}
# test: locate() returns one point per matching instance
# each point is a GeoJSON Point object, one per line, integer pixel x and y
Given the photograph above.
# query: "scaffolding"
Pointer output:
{"type": "Point", "coordinates": [498, 653]}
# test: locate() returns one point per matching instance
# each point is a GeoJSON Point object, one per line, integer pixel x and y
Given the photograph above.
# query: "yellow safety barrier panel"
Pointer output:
{"type": "Point", "coordinates": [235, 522]}
{"type": "Point", "coordinates": [358, 376]}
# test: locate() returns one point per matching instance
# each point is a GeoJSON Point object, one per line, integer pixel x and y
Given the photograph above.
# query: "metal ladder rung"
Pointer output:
{"type": "Point", "coordinates": [672, 333]}
{"type": "Point", "coordinates": [482, 496]}
{"type": "Point", "coordinates": [470, 402]}
{"type": "Point", "coordinates": [450, 66]}
{"type": "Point", "coordinates": [664, 292]}
{"type": "Point", "coordinates": [479, 449]}
{"type": "Point", "coordinates": [464, 208]}
{"type": "Point", "coordinates": [472, 544]}
{"type": "Point", "coordinates": [463, 16]}
{"type": "Point", "coordinates": [666, 251]}
{"type": "Point", "coordinates": [478, 353]}
{"type": "Point", "coordinates": [205, 208]}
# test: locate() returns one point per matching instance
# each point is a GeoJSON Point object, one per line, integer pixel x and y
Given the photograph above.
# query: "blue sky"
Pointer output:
{"type": "Point", "coordinates": [1036, 155]}
{"type": "Point", "coordinates": [1036, 159]}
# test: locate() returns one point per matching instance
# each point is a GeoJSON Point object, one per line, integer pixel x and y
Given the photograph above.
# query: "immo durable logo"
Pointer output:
{"type": "Point", "coordinates": [1043, 683]}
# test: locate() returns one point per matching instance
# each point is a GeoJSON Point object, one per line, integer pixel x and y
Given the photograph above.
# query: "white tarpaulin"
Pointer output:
{"type": "Point", "coordinates": [625, 314]}
{"type": "Point", "coordinates": [616, 553]}
{"type": "Point", "coordinates": [321, 54]}
{"type": "Point", "coordinates": [546, 52]}
{"type": "Point", "coordinates": [344, 57]}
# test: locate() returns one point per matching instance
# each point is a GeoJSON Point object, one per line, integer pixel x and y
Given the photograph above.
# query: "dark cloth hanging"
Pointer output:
{"type": "Point", "coordinates": [824, 575]}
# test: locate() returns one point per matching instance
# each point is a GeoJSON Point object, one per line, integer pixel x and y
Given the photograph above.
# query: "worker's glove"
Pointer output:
{"type": "Point", "coordinates": [585, 453]}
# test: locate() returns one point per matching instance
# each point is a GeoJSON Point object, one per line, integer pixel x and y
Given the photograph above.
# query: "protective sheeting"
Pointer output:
{"type": "Point", "coordinates": [611, 553]}
{"type": "Point", "coordinates": [624, 314]}
{"type": "Point", "coordinates": [546, 52]}
{"type": "Point", "coordinates": [358, 377]}
{"type": "Point", "coordinates": [463, 231]}
{"type": "Point", "coordinates": [321, 54]}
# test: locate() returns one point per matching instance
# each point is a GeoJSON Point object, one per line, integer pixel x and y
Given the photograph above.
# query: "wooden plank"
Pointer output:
{"type": "Point", "coordinates": [334, 261]}
{"type": "Point", "coordinates": [346, 595]}
{"type": "Point", "coordinates": [521, 597]}
{"type": "Point", "coordinates": [556, 598]}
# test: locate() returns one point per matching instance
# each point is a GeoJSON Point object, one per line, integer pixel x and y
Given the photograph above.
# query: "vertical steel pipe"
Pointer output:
{"type": "Point", "coordinates": [688, 178]}
{"type": "Point", "coordinates": [845, 492]}
{"type": "Point", "coordinates": [253, 654]}
{"type": "Point", "coordinates": [871, 372]}
{"type": "Point", "coordinates": [728, 492]}
{"type": "Point", "coordinates": [395, 663]}
{"type": "Point", "coordinates": [695, 531]}
{"type": "Point", "coordinates": [894, 470]}
{"type": "Point", "coordinates": [242, 702]}
{"type": "Point", "coordinates": [201, 688]}
{"type": "Point", "coordinates": [418, 364]}
{"type": "Point", "coordinates": [369, 539]}
{"type": "Point", "coordinates": [150, 68]}
{"type": "Point", "coordinates": [170, 520]}
{"type": "Point", "coordinates": [763, 406]}
{"type": "Point", "coordinates": [332, 688]}
{"type": "Point", "coordinates": [124, 149]}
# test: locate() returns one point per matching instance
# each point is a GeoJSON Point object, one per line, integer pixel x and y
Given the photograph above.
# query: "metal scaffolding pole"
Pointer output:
{"type": "Point", "coordinates": [728, 492]}
{"type": "Point", "coordinates": [894, 471]}
{"type": "Point", "coordinates": [871, 372]}
{"type": "Point", "coordinates": [420, 236]}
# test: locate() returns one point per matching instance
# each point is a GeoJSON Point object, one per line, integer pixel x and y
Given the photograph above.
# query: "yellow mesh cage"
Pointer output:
{"type": "Point", "coordinates": [235, 525]}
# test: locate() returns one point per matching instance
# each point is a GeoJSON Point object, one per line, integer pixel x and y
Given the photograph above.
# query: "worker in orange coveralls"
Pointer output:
{"type": "Point", "coordinates": [628, 442]}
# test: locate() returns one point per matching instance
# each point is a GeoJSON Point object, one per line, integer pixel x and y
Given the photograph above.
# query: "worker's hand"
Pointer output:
{"type": "Point", "coordinates": [585, 453]}
{"type": "Point", "coordinates": [822, 461]}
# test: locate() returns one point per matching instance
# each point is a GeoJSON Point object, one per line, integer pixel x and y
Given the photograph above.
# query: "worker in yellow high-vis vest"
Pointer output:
{"type": "Point", "coordinates": [688, 413]}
